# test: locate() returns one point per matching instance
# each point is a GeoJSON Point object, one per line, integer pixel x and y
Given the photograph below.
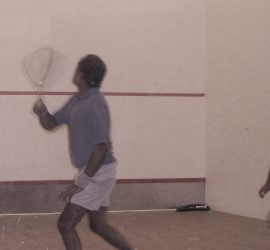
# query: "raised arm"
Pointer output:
{"type": "Point", "coordinates": [46, 120]}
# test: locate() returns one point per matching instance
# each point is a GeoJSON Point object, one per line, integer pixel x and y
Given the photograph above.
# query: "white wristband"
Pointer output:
{"type": "Point", "coordinates": [83, 180]}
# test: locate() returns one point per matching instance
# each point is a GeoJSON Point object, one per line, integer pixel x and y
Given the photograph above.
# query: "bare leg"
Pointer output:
{"type": "Point", "coordinates": [67, 222]}
{"type": "Point", "coordinates": [100, 226]}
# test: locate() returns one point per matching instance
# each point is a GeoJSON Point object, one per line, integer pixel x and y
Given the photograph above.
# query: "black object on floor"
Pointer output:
{"type": "Point", "coordinates": [193, 207]}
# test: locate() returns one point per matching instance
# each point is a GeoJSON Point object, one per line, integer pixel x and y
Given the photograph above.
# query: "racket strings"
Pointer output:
{"type": "Point", "coordinates": [36, 67]}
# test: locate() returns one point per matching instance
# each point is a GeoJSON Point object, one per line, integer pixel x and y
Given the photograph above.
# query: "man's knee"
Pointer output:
{"type": "Point", "coordinates": [97, 227]}
{"type": "Point", "coordinates": [64, 226]}
{"type": "Point", "coordinates": [70, 217]}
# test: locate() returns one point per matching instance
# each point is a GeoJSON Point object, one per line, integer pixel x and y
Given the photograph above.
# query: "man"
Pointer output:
{"type": "Point", "coordinates": [266, 187]}
{"type": "Point", "coordinates": [86, 115]}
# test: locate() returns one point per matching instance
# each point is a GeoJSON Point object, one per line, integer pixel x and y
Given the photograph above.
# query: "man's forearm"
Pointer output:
{"type": "Point", "coordinates": [47, 121]}
{"type": "Point", "coordinates": [95, 162]}
{"type": "Point", "coordinates": [96, 159]}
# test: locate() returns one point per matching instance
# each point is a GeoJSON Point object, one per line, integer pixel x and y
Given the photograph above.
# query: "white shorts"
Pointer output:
{"type": "Point", "coordinates": [97, 193]}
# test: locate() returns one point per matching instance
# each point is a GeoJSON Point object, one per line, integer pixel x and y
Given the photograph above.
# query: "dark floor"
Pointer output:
{"type": "Point", "coordinates": [162, 230]}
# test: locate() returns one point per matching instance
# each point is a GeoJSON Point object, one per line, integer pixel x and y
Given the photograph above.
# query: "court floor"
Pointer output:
{"type": "Point", "coordinates": [148, 230]}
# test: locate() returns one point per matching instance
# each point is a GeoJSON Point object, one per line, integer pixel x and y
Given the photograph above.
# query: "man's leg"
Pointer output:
{"type": "Point", "coordinates": [67, 222]}
{"type": "Point", "coordinates": [100, 226]}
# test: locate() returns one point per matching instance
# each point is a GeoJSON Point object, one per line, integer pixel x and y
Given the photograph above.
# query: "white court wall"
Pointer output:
{"type": "Point", "coordinates": [149, 46]}
{"type": "Point", "coordinates": [238, 114]}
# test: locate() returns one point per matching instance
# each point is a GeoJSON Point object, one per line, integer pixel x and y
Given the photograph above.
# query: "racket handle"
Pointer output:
{"type": "Point", "coordinates": [39, 93]}
{"type": "Point", "coordinates": [39, 97]}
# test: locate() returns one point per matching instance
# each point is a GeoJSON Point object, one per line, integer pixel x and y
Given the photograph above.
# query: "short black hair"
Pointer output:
{"type": "Point", "coordinates": [93, 69]}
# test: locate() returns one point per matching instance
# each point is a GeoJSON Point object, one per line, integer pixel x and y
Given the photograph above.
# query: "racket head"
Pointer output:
{"type": "Point", "coordinates": [36, 66]}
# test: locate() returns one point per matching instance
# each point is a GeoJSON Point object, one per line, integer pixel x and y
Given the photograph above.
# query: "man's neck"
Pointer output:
{"type": "Point", "coordinates": [83, 92]}
{"type": "Point", "coordinates": [83, 89]}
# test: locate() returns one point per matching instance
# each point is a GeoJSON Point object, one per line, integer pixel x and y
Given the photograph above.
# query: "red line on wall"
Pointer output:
{"type": "Point", "coordinates": [107, 94]}
{"type": "Point", "coordinates": [154, 94]}
{"type": "Point", "coordinates": [119, 181]}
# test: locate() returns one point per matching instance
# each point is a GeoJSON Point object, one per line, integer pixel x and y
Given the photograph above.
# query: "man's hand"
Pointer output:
{"type": "Point", "coordinates": [46, 120]}
{"type": "Point", "coordinates": [264, 189]}
{"type": "Point", "coordinates": [40, 108]}
{"type": "Point", "coordinates": [69, 192]}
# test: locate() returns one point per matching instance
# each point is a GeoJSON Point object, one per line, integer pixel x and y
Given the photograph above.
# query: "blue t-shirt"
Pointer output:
{"type": "Point", "coordinates": [88, 120]}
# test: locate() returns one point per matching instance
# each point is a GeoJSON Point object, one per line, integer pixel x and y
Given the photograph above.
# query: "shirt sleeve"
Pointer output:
{"type": "Point", "coordinates": [62, 115]}
{"type": "Point", "coordinates": [99, 120]}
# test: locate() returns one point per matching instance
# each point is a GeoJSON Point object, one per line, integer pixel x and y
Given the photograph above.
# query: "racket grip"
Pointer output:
{"type": "Point", "coordinates": [40, 108]}
{"type": "Point", "coordinates": [43, 114]}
